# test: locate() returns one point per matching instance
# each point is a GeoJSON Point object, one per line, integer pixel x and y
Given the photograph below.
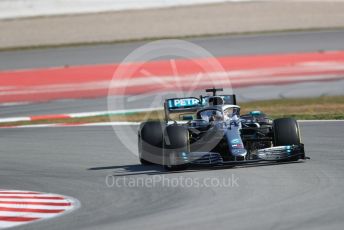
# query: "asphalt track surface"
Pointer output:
{"type": "Point", "coordinates": [218, 46]}
{"type": "Point", "coordinates": [75, 161]}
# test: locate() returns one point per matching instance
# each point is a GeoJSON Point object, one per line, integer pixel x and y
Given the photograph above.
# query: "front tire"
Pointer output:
{"type": "Point", "coordinates": [150, 142]}
{"type": "Point", "coordinates": [286, 132]}
{"type": "Point", "coordinates": [176, 140]}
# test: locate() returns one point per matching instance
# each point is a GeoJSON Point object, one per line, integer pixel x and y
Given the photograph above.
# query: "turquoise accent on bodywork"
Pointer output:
{"type": "Point", "coordinates": [255, 113]}
{"type": "Point", "coordinates": [184, 155]}
{"type": "Point", "coordinates": [288, 148]}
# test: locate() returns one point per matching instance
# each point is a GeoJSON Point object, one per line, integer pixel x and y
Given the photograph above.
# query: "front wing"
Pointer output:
{"type": "Point", "coordinates": [279, 153]}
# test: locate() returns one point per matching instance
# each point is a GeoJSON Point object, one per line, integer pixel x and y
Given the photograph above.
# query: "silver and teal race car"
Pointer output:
{"type": "Point", "coordinates": [209, 131]}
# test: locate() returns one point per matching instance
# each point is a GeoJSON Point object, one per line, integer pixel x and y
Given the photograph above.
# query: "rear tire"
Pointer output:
{"type": "Point", "coordinates": [176, 140]}
{"type": "Point", "coordinates": [144, 162]}
{"type": "Point", "coordinates": [286, 132]}
{"type": "Point", "coordinates": [150, 142]}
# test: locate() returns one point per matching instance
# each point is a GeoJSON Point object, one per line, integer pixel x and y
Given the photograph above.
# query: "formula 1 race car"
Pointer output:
{"type": "Point", "coordinates": [209, 131]}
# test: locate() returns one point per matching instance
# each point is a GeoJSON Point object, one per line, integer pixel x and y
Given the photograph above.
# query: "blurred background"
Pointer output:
{"type": "Point", "coordinates": [59, 56]}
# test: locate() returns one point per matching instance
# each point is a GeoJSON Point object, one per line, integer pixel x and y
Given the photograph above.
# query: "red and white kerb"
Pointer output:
{"type": "Point", "coordinates": [22, 207]}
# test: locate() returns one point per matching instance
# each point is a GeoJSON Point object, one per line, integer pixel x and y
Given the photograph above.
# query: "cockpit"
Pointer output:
{"type": "Point", "coordinates": [213, 114]}
{"type": "Point", "coordinates": [210, 115]}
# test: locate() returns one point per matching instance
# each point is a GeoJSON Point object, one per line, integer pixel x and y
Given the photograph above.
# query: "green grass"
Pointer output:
{"type": "Point", "coordinates": [319, 108]}
{"type": "Point", "coordinates": [324, 107]}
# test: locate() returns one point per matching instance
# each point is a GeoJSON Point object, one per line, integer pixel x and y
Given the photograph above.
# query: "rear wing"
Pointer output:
{"type": "Point", "coordinates": [181, 108]}
{"type": "Point", "coordinates": [185, 108]}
